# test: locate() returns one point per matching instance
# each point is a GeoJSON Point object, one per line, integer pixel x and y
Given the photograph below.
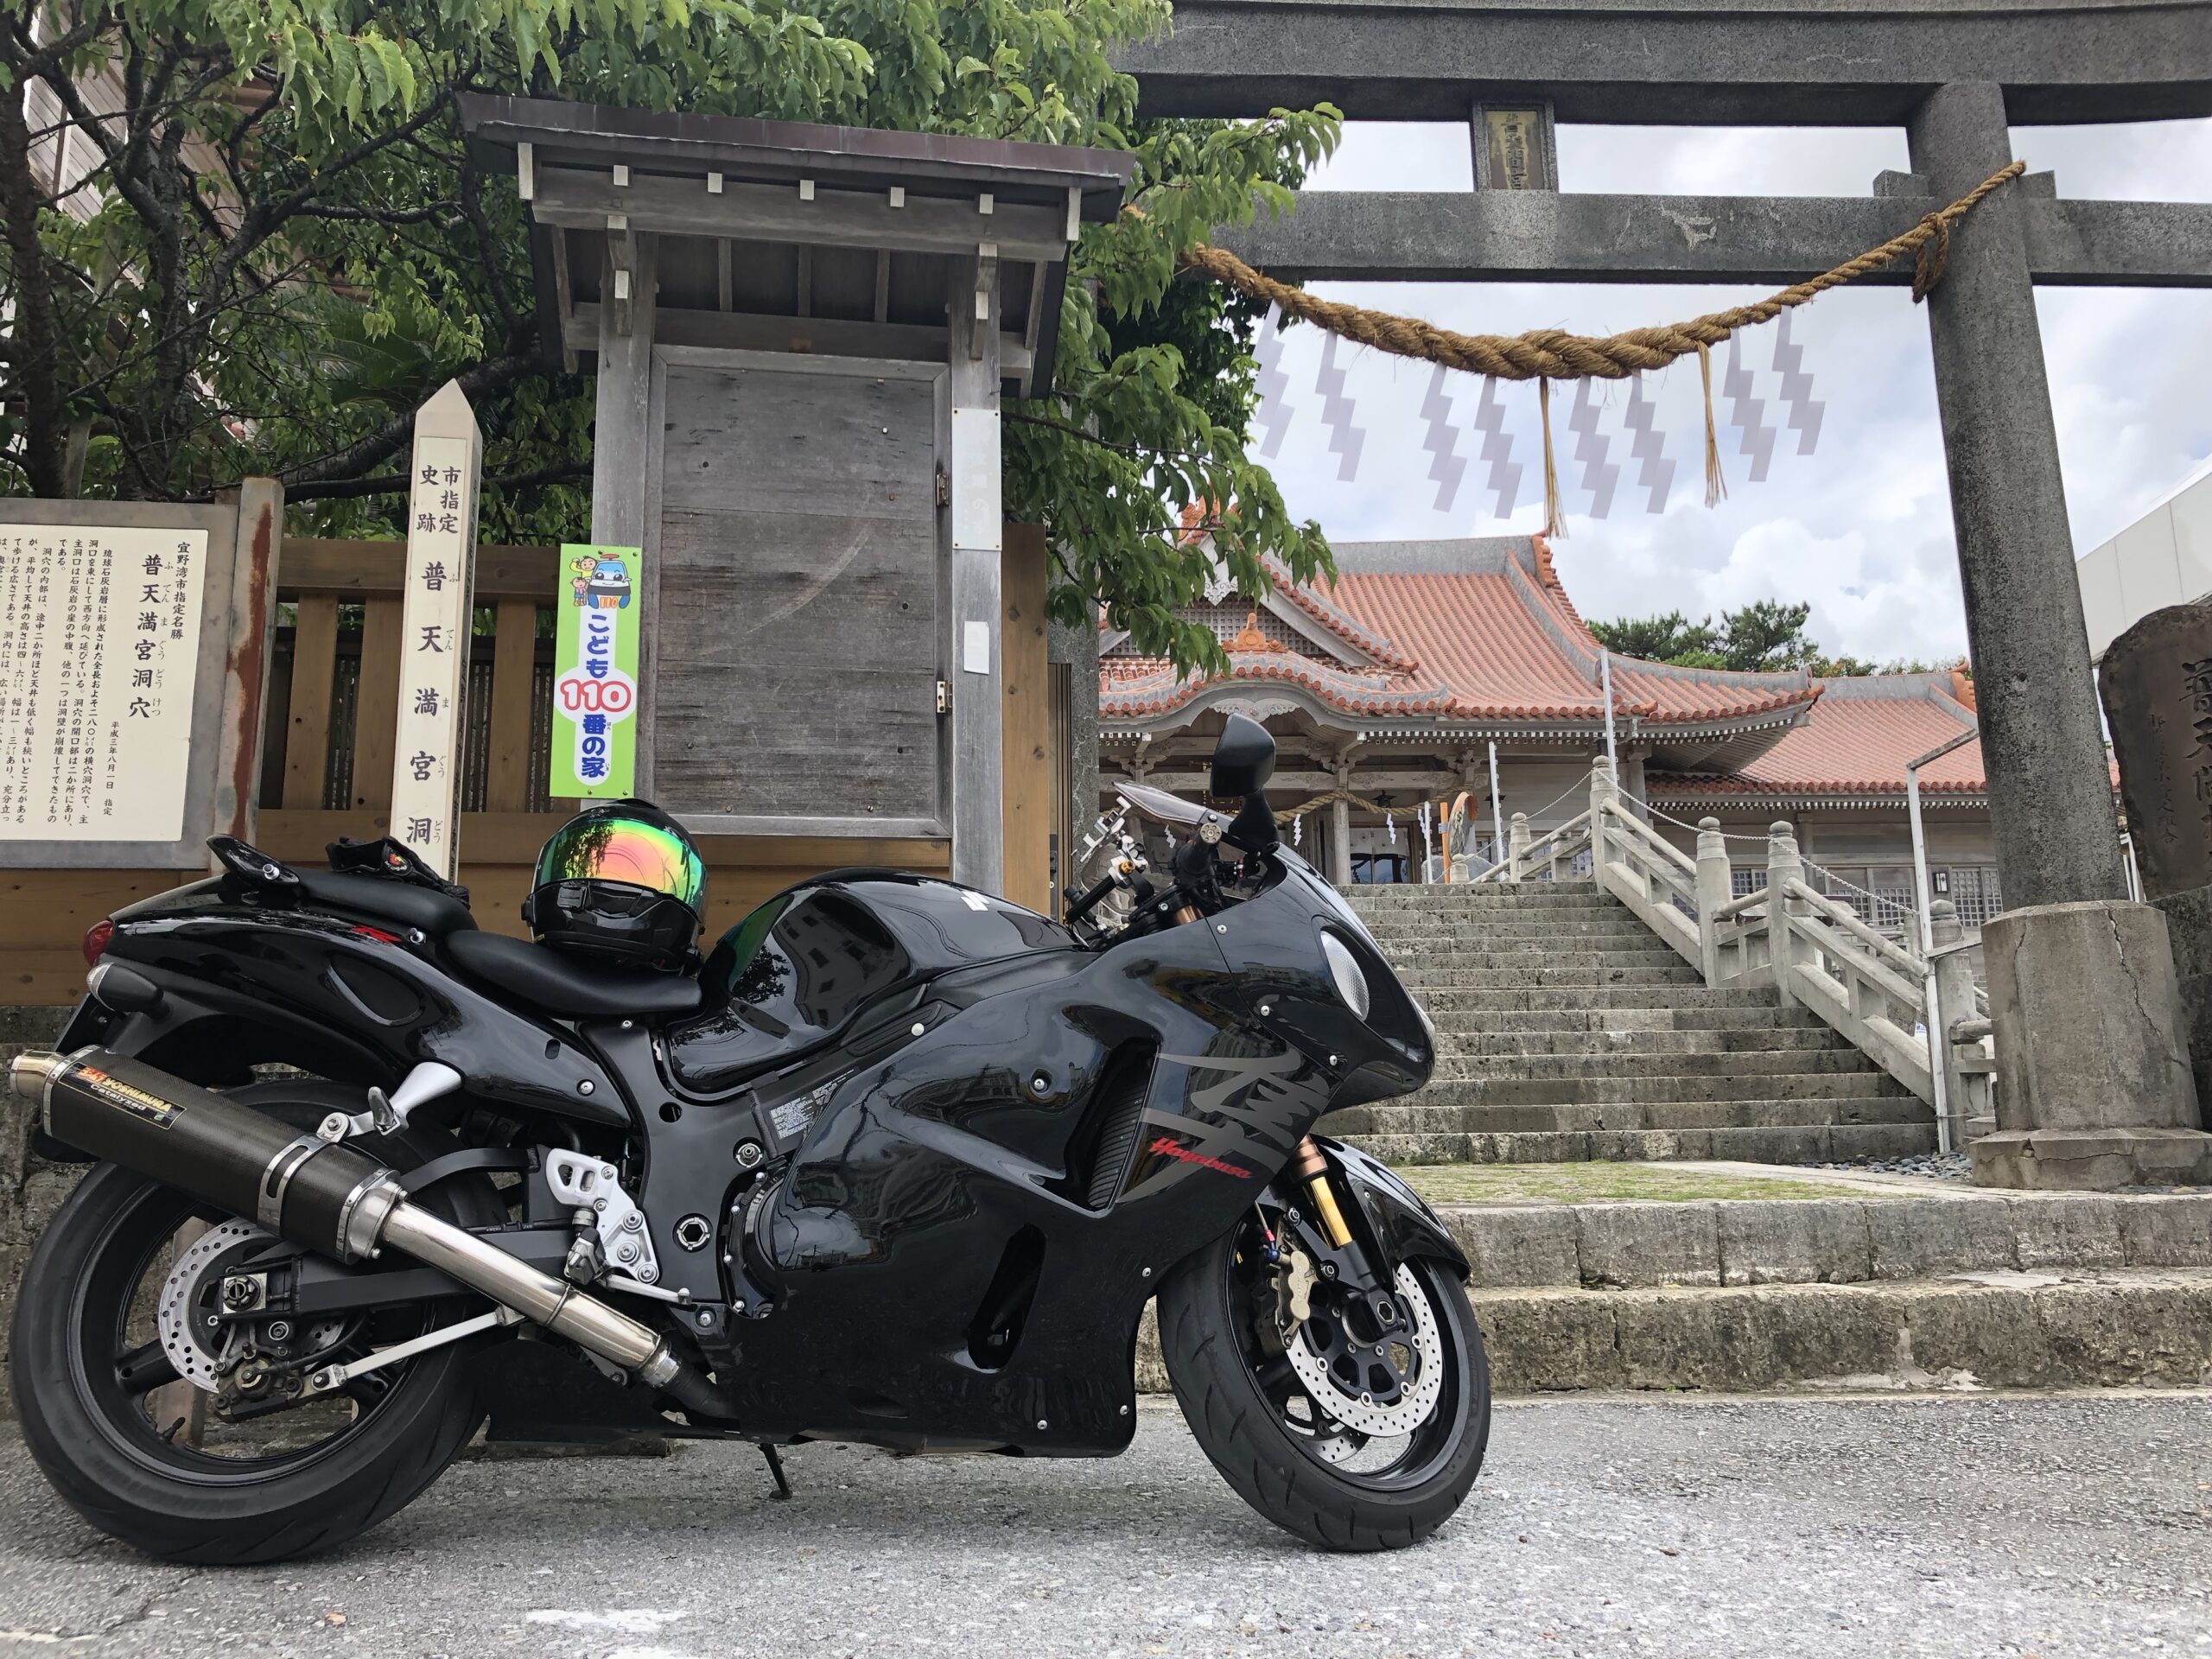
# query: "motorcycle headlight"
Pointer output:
{"type": "Point", "coordinates": [1344, 969]}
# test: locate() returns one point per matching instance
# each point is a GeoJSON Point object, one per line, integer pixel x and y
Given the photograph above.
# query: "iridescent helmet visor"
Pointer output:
{"type": "Point", "coordinates": [626, 851]}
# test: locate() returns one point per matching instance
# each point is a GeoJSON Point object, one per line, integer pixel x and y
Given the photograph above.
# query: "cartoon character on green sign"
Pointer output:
{"type": "Point", "coordinates": [601, 583]}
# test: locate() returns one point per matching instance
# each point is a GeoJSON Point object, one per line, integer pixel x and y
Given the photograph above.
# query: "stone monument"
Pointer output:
{"type": "Point", "coordinates": [2156, 687]}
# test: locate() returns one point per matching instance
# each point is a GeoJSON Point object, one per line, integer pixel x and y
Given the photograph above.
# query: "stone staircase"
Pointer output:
{"type": "Point", "coordinates": [1567, 1030]}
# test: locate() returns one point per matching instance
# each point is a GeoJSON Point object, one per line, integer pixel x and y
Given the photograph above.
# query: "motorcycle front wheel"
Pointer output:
{"type": "Point", "coordinates": [1298, 1441]}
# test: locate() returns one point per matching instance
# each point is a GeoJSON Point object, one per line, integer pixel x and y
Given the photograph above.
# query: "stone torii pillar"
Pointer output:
{"type": "Point", "coordinates": [2094, 1080]}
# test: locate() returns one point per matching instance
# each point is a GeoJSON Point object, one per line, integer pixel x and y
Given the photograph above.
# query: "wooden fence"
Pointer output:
{"type": "Point", "coordinates": [331, 715]}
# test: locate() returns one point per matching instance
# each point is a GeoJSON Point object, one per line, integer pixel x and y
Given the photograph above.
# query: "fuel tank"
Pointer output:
{"type": "Point", "coordinates": [791, 976]}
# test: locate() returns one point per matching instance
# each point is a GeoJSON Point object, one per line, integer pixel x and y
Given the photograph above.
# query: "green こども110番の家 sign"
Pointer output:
{"type": "Point", "coordinates": [595, 673]}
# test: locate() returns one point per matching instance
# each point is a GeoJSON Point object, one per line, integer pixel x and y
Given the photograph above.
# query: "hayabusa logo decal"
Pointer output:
{"type": "Point", "coordinates": [1236, 1071]}
{"type": "Point", "coordinates": [1168, 1146]}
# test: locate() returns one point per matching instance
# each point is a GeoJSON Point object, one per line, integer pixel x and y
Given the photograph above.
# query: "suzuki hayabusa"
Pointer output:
{"type": "Point", "coordinates": [899, 1163]}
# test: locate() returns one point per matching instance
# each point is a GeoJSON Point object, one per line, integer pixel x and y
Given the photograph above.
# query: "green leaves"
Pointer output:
{"type": "Point", "coordinates": [349, 258]}
{"type": "Point", "coordinates": [1141, 454]}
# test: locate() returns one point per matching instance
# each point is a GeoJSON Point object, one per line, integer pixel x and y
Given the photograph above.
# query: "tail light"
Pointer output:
{"type": "Point", "coordinates": [96, 939]}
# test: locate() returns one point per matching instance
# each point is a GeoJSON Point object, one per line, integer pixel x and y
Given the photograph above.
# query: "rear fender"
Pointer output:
{"type": "Point", "coordinates": [1397, 1220]}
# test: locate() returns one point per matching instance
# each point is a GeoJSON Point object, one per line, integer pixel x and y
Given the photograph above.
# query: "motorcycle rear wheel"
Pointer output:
{"type": "Point", "coordinates": [87, 1382]}
{"type": "Point", "coordinates": [1234, 1384]}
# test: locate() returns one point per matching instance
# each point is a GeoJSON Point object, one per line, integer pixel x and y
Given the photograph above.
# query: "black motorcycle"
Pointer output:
{"type": "Point", "coordinates": [901, 1163]}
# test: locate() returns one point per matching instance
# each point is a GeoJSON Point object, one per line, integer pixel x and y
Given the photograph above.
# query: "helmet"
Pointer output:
{"type": "Point", "coordinates": [621, 881]}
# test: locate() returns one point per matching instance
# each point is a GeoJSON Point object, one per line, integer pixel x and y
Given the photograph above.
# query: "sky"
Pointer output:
{"type": "Point", "coordinates": [1860, 527]}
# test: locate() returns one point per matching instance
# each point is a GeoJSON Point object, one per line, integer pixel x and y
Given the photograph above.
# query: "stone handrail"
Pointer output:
{"type": "Point", "coordinates": [1522, 855]}
{"type": "Point", "coordinates": [1816, 951]}
{"type": "Point", "coordinates": [1886, 951]}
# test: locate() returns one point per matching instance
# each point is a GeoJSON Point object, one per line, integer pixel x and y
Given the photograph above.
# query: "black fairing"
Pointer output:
{"type": "Point", "coordinates": [793, 974]}
{"type": "Point", "coordinates": [1400, 1218]}
{"type": "Point", "coordinates": [929, 1179]}
{"type": "Point", "coordinates": [247, 983]}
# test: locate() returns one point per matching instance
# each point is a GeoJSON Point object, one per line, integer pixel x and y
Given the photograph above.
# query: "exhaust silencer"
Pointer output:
{"type": "Point", "coordinates": [330, 1197]}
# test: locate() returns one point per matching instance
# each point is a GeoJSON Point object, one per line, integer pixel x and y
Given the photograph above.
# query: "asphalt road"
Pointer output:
{"type": "Point", "coordinates": [1998, 1525]}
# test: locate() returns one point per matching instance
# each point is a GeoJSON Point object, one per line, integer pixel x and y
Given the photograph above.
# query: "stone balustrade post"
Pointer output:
{"type": "Point", "coordinates": [1783, 866]}
{"type": "Point", "coordinates": [1516, 847]}
{"type": "Point", "coordinates": [1605, 795]}
{"type": "Point", "coordinates": [1954, 1002]}
{"type": "Point", "coordinates": [1714, 889]}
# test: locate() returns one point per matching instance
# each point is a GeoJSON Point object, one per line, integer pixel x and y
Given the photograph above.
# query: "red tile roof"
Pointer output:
{"type": "Point", "coordinates": [1472, 630]}
{"type": "Point", "coordinates": [1861, 734]}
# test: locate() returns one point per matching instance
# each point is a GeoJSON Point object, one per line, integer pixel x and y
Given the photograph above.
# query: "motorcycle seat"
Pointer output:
{"type": "Point", "coordinates": [560, 984]}
{"type": "Point", "coordinates": [400, 902]}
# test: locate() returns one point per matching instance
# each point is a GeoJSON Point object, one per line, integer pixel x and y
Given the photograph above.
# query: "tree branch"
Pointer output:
{"type": "Point", "coordinates": [357, 457]}
{"type": "Point", "coordinates": [353, 489]}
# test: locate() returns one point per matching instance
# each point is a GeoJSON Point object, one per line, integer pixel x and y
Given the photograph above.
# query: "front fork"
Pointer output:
{"type": "Point", "coordinates": [1314, 1211]}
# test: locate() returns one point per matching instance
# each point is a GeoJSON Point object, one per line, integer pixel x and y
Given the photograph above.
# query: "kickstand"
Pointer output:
{"type": "Point", "coordinates": [776, 1468]}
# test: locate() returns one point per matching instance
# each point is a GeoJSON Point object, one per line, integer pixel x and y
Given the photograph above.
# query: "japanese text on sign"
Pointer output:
{"type": "Point", "coordinates": [434, 645]}
{"type": "Point", "coordinates": [96, 686]}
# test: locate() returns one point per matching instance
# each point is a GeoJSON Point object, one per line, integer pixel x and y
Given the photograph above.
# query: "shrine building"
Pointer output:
{"type": "Point", "coordinates": [1389, 687]}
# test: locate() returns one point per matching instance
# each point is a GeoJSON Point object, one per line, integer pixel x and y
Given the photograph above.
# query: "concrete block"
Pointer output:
{"type": "Point", "coordinates": [1625, 1246]}
{"type": "Point", "coordinates": [2094, 1084]}
{"type": "Point", "coordinates": [1845, 1335]}
{"type": "Point", "coordinates": [1517, 1245]}
{"type": "Point", "coordinates": [1968, 1334]}
{"type": "Point", "coordinates": [1793, 1242]}
{"type": "Point", "coordinates": [1739, 1340]}
{"type": "Point", "coordinates": [2066, 1231]}
{"type": "Point", "coordinates": [1927, 1238]}
{"type": "Point", "coordinates": [2165, 1232]}
{"type": "Point", "coordinates": [2092, 1159]}
{"type": "Point", "coordinates": [1542, 1340]}
{"type": "Point", "coordinates": [2131, 1331]}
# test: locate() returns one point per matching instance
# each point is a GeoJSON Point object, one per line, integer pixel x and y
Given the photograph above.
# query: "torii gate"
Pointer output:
{"type": "Point", "coordinates": [2094, 1070]}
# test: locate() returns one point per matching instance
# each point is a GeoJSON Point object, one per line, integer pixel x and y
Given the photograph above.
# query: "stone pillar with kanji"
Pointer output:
{"type": "Point", "coordinates": [435, 639]}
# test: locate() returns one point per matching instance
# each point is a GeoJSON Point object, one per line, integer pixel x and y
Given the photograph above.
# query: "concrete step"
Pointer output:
{"type": "Point", "coordinates": [1419, 976]}
{"type": "Point", "coordinates": [2079, 1328]}
{"type": "Point", "coordinates": [1702, 1062]}
{"type": "Point", "coordinates": [1541, 895]}
{"type": "Point", "coordinates": [1893, 1232]}
{"type": "Point", "coordinates": [2102, 1329]}
{"type": "Point", "coordinates": [1618, 1089]}
{"type": "Point", "coordinates": [1421, 929]}
{"type": "Point", "coordinates": [1469, 1024]}
{"type": "Point", "coordinates": [1452, 1002]}
{"type": "Point", "coordinates": [1810, 1144]}
{"type": "Point", "coordinates": [1527, 955]}
{"type": "Point", "coordinates": [1629, 1045]}
{"type": "Point", "coordinates": [1415, 1117]}
{"type": "Point", "coordinates": [31, 1027]}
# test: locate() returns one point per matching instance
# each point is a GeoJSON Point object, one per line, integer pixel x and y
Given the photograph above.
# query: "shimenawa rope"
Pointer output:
{"type": "Point", "coordinates": [1549, 354]}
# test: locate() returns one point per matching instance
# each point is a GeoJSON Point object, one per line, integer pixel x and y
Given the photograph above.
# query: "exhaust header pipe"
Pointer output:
{"type": "Point", "coordinates": [330, 1197]}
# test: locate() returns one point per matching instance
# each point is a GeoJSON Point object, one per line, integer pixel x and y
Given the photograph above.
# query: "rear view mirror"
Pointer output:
{"type": "Point", "coordinates": [1244, 758]}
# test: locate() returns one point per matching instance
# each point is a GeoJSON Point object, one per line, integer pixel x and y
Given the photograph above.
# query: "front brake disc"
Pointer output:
{"type": "Point", "coordinates": [1357, 1408]}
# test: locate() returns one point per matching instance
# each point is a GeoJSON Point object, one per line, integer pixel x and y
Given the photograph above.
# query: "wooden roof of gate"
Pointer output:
{"type": "Point", "coordinates": [788, 236]}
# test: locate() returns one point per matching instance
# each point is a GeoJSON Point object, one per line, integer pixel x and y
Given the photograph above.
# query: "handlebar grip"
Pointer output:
{"type": "Point", "coordinates": [1085, 905]}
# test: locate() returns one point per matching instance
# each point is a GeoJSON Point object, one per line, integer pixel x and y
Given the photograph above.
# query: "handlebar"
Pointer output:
{"type": "Point", "coordinates": [1089, 902]}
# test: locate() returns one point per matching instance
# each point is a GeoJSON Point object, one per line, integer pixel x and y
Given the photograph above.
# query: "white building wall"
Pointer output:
{"type": "Point", "coordinates": [2162, 558]}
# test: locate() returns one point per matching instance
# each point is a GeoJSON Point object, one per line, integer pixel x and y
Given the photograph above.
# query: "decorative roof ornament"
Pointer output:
{"type": "Point", "coordinates": [1248, 638]}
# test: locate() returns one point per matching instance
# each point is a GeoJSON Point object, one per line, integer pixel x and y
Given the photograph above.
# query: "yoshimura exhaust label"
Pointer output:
{"type": "Point", "coordinates": [136, 1101]}
{"type": "Point", "coordinates": [595, 686]}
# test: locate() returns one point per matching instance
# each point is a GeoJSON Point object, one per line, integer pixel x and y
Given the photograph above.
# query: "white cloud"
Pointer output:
{"type": "Point", "coordinates": [1860, 528]}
